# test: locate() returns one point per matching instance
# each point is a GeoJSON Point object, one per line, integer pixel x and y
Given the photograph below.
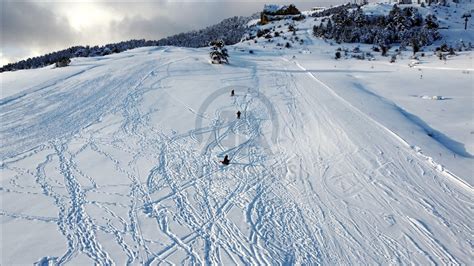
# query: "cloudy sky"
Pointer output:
{"type": "Point", "coordinates": [31, 28]}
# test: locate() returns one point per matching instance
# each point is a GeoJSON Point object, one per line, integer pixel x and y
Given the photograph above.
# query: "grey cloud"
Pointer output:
{"type": "Point", "coordinates": [40, 26]}
{"type": "Point", "coordinates": [31, 24]}
{"type": "Point", "coordinates": [137, 27]}
{"type": "Point", "coordinates": [177, 17]}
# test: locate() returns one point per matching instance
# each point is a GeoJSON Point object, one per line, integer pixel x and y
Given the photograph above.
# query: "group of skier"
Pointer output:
{"type": "Point", "coordinates": [226, 160]}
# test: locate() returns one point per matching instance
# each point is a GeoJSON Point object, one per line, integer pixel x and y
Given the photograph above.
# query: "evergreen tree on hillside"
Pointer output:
{"type": "Point", "coordinates": [431, 22]}
{"type": "Point", "coordinates": [403, 26]}
{"type": "Point", "coordinates": [360, 18]}
{"type": "Point", "coordinates": [63, 62]}
{"type": "Point", "coordinates": [329, 29]}
{"type": "Point", "coordinates": [218, 52]}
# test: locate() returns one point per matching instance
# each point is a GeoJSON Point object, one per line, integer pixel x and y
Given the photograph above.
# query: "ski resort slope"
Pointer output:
{"type": "Point", "coordinates": [116, 160]}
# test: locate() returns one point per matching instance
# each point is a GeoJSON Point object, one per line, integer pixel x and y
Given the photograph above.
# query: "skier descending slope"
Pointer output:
{"type": "Point", "coordinates": [226, 160]}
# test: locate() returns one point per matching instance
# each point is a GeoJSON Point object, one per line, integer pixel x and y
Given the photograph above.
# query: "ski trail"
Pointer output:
{"type": "Point", "coordinates": [361, 184]}
{"type": "Point", "coordinates": [78, 221]}
{"type": "Point", "coordinates": [131, 181]}
{"type": "Point", "coordinates": [436, 166]}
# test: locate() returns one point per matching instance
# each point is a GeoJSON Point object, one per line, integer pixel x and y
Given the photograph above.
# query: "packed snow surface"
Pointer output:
{"type": "Point", "coordinates": [119, 163]}
{"type": "Point", "coordinates": [115, 159]}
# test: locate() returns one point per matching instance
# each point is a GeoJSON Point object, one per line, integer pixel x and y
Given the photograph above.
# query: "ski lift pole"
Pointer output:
{"type": "Point", "coordinates": [466, 17]}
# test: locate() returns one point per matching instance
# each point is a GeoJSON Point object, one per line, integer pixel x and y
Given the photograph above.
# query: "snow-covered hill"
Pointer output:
{"type": "Point", "coordinates": [115, 159]}
{"type": "Point", "coordinates": [230, 30]}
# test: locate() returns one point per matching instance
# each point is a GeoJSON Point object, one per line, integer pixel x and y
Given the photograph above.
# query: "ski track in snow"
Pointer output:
{"type": "Point", "coordinates": [328, 191]}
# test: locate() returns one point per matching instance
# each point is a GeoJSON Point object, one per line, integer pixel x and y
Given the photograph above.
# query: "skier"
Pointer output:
{"type": "Point", "coordinates": [238, 114]}
{"type": "Point", "coordinates": [226, 160]}
{"type": "Point", "coordinates": [232, 93]}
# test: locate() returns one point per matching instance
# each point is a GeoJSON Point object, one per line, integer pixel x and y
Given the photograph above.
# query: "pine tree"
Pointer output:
{"type": "Point", "coordinates": [218, 52]}
{"type": "Point", "coordinates": [415, 46]}
{"type": "Point", "coordinates": [329, 29]}
{"type": "Point", "coordinates": [431, 22]}
{"type": "Point", "coordinates": [65, 61]}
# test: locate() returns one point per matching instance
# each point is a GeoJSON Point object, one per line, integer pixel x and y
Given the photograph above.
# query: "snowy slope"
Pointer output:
{"type": "Point", "coordinates": [115, 159]}
{"type": "Point", "coordinates": [449, 17]}
{"type": "Point", "coordinates": [402, 87]}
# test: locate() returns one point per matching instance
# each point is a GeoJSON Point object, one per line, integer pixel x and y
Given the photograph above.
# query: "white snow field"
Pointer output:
{"type": "Point", "coordinates": [115, 159]}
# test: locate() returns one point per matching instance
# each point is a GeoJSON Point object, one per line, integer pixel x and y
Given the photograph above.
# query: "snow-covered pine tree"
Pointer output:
{"type": "Point", "coordinates": [218, 52]}
{"type": "Point", "coordinates": [65, 61]}
{"type": "Point", "coordinates": [329, 29]}
{"type": "Point", "coordinates": [415, 45]}
{"type": "Point", "coordinates": [317, 30]}
{"type": "Point", "coordinates": [431, 21]}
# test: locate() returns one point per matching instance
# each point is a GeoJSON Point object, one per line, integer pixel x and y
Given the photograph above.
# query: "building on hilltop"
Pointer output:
{"type": "Point", "coordinates": [428, 2]}
{"type": "Point", "coordinates": [277, 12]}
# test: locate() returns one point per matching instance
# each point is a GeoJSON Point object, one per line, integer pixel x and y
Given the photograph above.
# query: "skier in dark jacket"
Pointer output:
{"type": "Point", "coordinates": [226, 160]}
{"type": "Point", "coordinates": [238, 114]}
{"type": "Point", "coordinates": [232, 93]}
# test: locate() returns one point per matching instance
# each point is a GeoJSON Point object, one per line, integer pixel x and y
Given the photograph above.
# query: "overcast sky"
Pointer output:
{"type": "Point", "coordinates": [31, 28]}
